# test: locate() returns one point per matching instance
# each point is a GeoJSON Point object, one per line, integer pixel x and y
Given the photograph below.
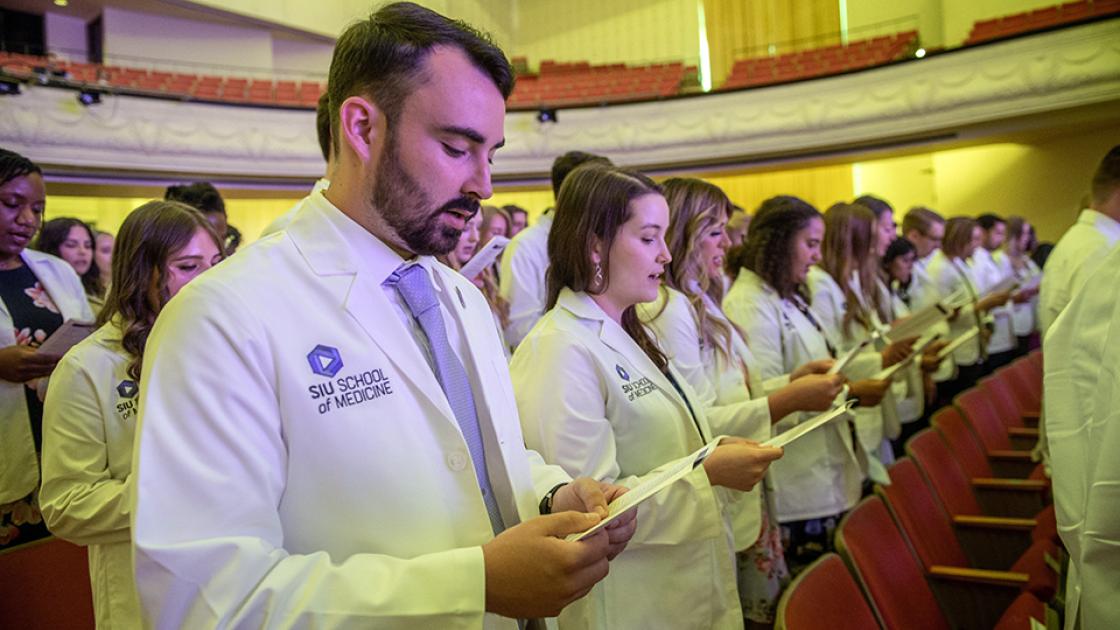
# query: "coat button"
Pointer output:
{"type": "Point", "coordinates": [457, 461]}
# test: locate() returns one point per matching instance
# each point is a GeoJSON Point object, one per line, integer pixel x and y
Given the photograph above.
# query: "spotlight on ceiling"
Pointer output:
{"type": "Point", "coordinates": [89, 97]}
{"type": "Point", "coordinates": [919, 53]}
{"type": "Point", "coordinates": [8, 87]}
{"type": "Point", "coordinates": [546, 116]}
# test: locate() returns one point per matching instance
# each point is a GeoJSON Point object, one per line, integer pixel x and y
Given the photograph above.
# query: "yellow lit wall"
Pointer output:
{"type": "Point", "coordinates": [1043, 180]}
{"type": "Point", "coordinates": [601, 32]}
{"type": "Point", "coordinates": [821, 186]}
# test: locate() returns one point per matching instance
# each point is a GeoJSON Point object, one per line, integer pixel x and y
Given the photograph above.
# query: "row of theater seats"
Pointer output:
{"type": "Point", "coordinates": [817, 62]}
{"type": "Point", "coordinates": [166, 84]}
{"type": "Point", "coordinates": [963, 537]}
{"type": "Point", "coordinates": [560, 84]}
{"type": "Point", "coordinates": [1041, 19]}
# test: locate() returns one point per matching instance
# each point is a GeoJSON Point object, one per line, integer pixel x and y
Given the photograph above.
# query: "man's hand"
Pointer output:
{"type": "Point", "coordinates": [930, 362]}
{"type": "Point", "coordinates": [19, 364]}
{"type": "Point", "coordinates": [587, 495]}
{"type": "Point", "coordinates": [820, 366]}
{"type": "Point", "coordinates": [531, 571]}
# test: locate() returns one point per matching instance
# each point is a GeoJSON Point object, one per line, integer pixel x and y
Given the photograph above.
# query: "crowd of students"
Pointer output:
{"type": "Point", "coordinates": [632, 325]}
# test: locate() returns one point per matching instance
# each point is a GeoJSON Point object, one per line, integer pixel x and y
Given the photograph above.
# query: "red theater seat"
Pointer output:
{"type": "Point", "coordinates": [44, 585]}
{"type": "Point", "coordinates": [824, 597]}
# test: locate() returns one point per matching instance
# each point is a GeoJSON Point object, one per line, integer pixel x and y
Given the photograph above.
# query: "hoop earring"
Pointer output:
{"type": "Point", "coordinates": [598, 276]}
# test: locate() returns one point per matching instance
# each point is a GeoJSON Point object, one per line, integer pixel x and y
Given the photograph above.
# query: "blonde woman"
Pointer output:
{"type": "Point", "coordinates": [711, 354]}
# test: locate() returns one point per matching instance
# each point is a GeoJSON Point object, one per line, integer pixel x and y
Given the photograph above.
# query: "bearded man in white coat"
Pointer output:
{"type": "Point", "coordinates": [328, 434]}
{"type": "Point", "coordinates": [1082, 402]}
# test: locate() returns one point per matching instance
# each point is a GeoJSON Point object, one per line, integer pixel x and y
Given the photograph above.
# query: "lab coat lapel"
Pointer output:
{"type": "Point", "coordinates": [318, 233]}
{"type": "Point", "coordinates": [52, 284]}
{"type": "Point", "coordinates": [615, 338]}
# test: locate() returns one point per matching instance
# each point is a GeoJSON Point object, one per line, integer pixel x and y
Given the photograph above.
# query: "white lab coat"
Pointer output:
{"type": "Point", "coordinates": [19, 466]}
{"type": "Point", "coordinates": [989, 273]}
{"type": "Point", "coordinates": [907, 386]}
{"type": "Point", "coordinates": [591, 401]}
{"type": "Point", "coordinates": [720, 385]}
{"type": "Point", "coordinates": [272, 495]}
{"type": "Point", "coordinates": [1074, 258]}
{"type": "Point", "coordinates": [820, 474]}
{"type": "Point", "coordinates": [923, 293]}
{"type": "Point", "coordinates": [829, 305]}
{"type": "Point", "coordinates": [282, 221]}
{"type": "Point", "coordinates": [523, 278]}
{"type": "Point", "coordinates": [89, 418]}
{"type": "Point", "coordinates": [1024, 315]}
{"type": "Point", "coordinates": [949, 275]}
{"type": "Point", "coordinates": [1082, 416]}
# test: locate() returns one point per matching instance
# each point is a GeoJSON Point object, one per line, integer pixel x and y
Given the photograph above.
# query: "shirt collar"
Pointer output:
{"type": "Point", "coordinates": [370, 253]}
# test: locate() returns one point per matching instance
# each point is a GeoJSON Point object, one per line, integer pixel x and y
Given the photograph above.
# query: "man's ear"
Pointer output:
{"type": "Point", "coordinates": [362, 127]}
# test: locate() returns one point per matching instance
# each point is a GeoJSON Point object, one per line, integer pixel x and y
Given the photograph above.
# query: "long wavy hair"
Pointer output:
{"type": "Point", "coordinates": [768, 250]}
{"type": "Point", "coordinates": [696, 207]}
{"type": "Point", "coordinates": [593, 204]}
{"type": "Point", "coordinates": [55, 232]}
{"type": "Point", "coordinates": [849, 246]}
{"type": "Point", "coordinates": [148, 238]}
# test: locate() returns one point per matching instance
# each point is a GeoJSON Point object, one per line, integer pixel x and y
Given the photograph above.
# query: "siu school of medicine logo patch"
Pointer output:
{"type": "Point", "coordinates": [622, 373]}
{"type": "Point", "coordinates": [127, 389]}
{"type": "Point", "coordinates": [324, 360]}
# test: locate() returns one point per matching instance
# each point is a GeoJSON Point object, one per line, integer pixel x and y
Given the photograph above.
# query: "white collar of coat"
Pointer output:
{"type": "Point", "coordinates": [1100, 221]}
{"type": "Point", "coordinates": [334, 244]}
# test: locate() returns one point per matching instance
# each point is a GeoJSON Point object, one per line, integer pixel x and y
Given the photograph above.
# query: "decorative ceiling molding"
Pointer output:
{"type": "Point", "coordinates": [941, 94]}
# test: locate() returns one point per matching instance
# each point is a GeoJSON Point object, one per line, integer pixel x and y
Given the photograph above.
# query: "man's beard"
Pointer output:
{"type": "Point", "coordinates": [404, 206]}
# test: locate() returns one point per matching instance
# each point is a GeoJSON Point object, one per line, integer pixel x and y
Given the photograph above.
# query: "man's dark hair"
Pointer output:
{"type": "Point", "coordinates": [988, 220]}
{"type": "Point", "coordinates": [383, 56]}
{"type": "Point", "coordinates": [199, 195]}
{"type": "Point", "coordinates": [568, 162]}
{"type": "Point", "coordinates": [323, 126]}
{"type": "Point", "coordinates": [1107, 177]}
{"type": "Point", "coordinates": [13, 165]}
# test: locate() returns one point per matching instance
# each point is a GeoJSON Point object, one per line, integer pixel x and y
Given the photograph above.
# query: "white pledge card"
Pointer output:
{"type": "Point", "coordinates": [650, 487]}
{"type": "Point", "coordinates": [805, 427]}
{"type": "Point", "coordinates": [67, 336]}
{"type": "Point", "coordinates": [485, 257]}
{"type": "Point", "coordinates": [847, 358]}
{"type": "Point", "coordinates": [958, 342]}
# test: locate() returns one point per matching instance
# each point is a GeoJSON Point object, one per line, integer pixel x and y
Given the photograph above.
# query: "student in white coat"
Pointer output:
{"type": "Point", "coordinates": [1085, 243]}
{"type": "Point", "coordinates": [598, 397]}
{"type": "Point", "coordinates": [1082, 403]}
{"type": "Point", "coordinates": [951, 273]}
{"type": "Point", "coordinates": [328, 436]}
{"type": "Point", "coordinates": [38, 292]}
{"type": "Point", "coordinates": [925, 228]}
{"type": "Point", "coordinates": [851, 309]}
{"type": "Point", "coordinates": [819, 478]}
{"type": "Point", "coordinates": [1015, 261]}
{"type": "Point", "coordinates": [323, 133]}
{"type": "Point", "coordinates": [709, 352]}
{"type": "Point", "coordinates": [90, 410]}
{"type": "Point", "coordinates": [989, 273]}
{"type": "Point", "coordinates": [525, 259]}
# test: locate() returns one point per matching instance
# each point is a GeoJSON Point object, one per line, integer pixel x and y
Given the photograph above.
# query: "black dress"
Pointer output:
{"type": "Point", "coordinates": [34, 317]}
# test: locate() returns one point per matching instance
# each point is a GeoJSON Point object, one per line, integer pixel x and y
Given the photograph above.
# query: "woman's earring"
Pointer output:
{"type": "Point", "coordinates": [598, 276]}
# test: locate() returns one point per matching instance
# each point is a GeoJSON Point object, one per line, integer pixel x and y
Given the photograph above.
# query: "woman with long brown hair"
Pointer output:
{"type": "Point", "coordinates": [710, 353]}
{"type": "Point", "coordinates": [853, 310]}
{"type": "Point", "coordinates": [598, 396]}
{"type": "Point", "coordinates": [90, 410]}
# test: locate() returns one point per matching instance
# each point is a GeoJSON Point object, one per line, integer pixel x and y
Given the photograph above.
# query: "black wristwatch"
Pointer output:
{"type": "Point", "coordinates": [546, 503]}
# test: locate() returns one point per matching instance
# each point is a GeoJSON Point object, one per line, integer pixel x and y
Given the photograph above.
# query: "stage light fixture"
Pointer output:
{"type": "Point", "coordinates": [546, 116]}
{"type": "Point", "coordinates": [9, 88]}
{"type": "Point", "coordinates": [919, 53]}
{"type": "Point", "coordinates": [89, 97]}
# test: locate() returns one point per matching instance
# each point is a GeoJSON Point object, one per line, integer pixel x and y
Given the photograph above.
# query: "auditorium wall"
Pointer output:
{"type": "Point", "coordinates": [66, 35]}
